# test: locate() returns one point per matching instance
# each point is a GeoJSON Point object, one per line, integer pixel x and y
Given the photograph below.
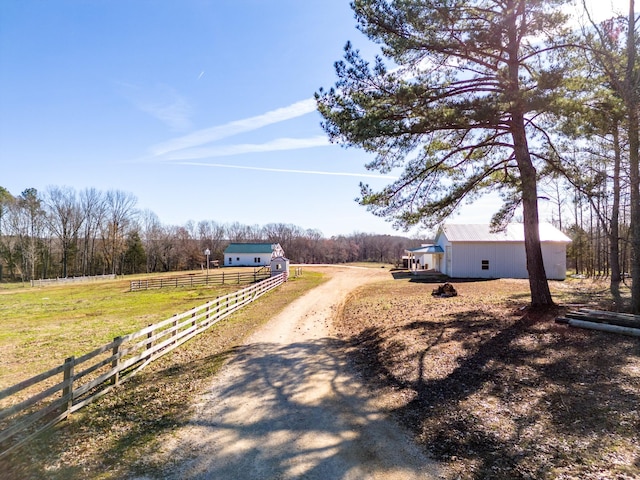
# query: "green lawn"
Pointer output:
{"type": "Point", "coordinates": [41, 326]}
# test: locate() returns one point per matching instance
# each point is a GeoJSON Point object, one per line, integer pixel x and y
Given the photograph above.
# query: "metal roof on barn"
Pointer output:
{"type": "Point", "coordinates": [249, 248]}
{"type": "Point", "coordinates": [513, 233]}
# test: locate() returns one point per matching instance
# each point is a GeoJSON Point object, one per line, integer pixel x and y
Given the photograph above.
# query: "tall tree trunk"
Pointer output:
{"type": "Point", "coordinates": [540, 293]}
{"type": "Point", "coordinates": [634, 173]}
{"type": "Point", "coordinates": [614, 227]}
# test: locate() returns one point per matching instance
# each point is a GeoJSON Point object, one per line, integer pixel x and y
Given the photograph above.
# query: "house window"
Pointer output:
{"type": "Point", "coordinates": [256, 260]}
{"type": "Point", "coordinates": [485, 264]}
{"type": "Point", "coordinates": [238, 259]}
{"type": "Point", "coordinates": [230, 260]}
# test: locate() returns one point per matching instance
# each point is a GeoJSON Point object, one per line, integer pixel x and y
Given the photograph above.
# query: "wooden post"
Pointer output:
{"type": "Point", "coordinates": [116, 360]}
{"type": "Point", "coordinates": [67, 391]}
{"type": "Point", "coordinates": [174, 324]}
{"type": "Point", "coordinates": [149, 335]}
{"type": "Point", "coordinates": [193, 322]}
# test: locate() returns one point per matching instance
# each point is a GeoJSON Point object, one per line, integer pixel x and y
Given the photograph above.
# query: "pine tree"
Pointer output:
{"type": "Point", "coordinates": [459, 113]}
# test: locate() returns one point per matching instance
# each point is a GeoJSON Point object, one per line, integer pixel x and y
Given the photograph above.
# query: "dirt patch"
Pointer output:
{"type": "Point", "coordinates": [494, 390]}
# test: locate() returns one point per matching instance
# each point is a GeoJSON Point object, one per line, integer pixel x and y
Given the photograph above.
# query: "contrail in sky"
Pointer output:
{"type": "Point", "coordinates": [278, 144]}
{"type": "Point", "coordinates": [208, 135]}
{"type": "Point", "coordinates": [285, 170]}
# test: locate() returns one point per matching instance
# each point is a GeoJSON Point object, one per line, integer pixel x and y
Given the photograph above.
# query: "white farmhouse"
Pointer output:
{"type": "Point", "coordinates": [251, 254]}
{"type": "Point", "coordinates": [473, 251]}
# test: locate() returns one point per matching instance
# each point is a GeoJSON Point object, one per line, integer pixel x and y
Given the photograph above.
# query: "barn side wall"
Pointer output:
{"type": "Point", "coordinates": [555, 260]}
{"type": "Point", "coordinates": [489, 260]}
{"type": "Point", "coordinates": [499, 259]}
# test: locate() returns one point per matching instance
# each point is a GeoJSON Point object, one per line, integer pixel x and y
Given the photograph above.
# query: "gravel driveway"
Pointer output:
{"type": "Point", "coordinates": [286, 407]}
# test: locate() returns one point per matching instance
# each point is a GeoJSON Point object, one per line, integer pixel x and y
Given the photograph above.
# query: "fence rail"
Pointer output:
{"type": "Point", "coordinates": [51, 281]}
{"type": "Point", "coordinates": [201, 279]}
{"type": "Point", "coordinates": [78, 381]}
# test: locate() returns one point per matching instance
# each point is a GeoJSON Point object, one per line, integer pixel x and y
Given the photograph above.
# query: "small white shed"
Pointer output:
{"type": "Point", "coordinates": [473, 251]}
{"type": "Point", "coordinates": [280, 265]}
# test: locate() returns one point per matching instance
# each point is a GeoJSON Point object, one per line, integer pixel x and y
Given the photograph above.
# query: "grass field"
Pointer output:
{"type": "Point", "coordinates": [42, 326]}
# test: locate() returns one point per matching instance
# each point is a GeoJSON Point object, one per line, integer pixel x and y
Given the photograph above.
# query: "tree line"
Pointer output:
{"type": "Point", "coordinates": [66, 233]}
{"type": "Point", "coordinates": [62, 232]}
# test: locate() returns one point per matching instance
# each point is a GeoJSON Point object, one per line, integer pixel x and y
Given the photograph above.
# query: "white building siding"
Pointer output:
{"type": "Point", "coordinates": [445, 265]}
{"type": "Point", "coordinates": [247, 259]}
{"type": "Point", "coordinates": [488, 260]}
{"type": "Point", "coordinates": [555, 260]}
{"type": "Point", "coordinates": [502, 258]}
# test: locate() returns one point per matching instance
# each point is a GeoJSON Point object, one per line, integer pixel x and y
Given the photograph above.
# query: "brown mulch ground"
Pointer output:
{"type": "Point", "coordinates": [497, 391]}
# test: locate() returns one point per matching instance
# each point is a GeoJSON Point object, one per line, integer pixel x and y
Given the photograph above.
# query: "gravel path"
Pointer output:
{"type": "Point", "coordinates": [286, 407]}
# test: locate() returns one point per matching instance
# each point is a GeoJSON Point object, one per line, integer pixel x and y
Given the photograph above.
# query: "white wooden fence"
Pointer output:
{"type": "Point", "coordinates": [40, 402]}
{"type": "Point", "coordinates": [50, 281]}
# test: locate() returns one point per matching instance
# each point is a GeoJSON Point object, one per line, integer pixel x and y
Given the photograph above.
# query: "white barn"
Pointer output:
{"type": "Point", "coordinates": [473, 251]}
{"type": "Point", "coordinates": [251, 254]}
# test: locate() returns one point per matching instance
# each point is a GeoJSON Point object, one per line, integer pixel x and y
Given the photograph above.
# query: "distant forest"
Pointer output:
{"type": "Point", "coordinates": [62, 232]}
{"type": "Point", "coordinates": [67, 233]}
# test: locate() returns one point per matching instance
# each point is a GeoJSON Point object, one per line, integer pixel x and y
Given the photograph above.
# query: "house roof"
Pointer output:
{"type": "Point", "coordinates": [513, 233]}
{"type": "Point", "coordinates": [427, 249]}
{"type": "Point", "coordinates": [250, 248]}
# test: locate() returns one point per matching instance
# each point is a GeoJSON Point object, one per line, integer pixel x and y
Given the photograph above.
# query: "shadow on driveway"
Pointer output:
{"type": "Point", "coordinates": [293, 411]}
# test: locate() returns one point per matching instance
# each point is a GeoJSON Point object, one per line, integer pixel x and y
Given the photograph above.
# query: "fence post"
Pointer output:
{"type": "Point", "coordinates": [67, 391]}
{"type": "Point", "coordinates": [116, 360]}
{"type": "Point", "coordinates": [149, 335]}
{"type": "Point", "coordinates": [193, 322]}
{"type": "Point", "coordinates": [174, 324]}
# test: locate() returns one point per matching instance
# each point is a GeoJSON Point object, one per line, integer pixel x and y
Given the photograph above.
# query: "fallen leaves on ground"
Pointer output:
{"type": "Point", "coordinates": [495, 390]}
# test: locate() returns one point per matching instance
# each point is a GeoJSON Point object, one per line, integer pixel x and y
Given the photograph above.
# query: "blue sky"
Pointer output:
{"type": "Point", "coordinates": [201, 108]}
